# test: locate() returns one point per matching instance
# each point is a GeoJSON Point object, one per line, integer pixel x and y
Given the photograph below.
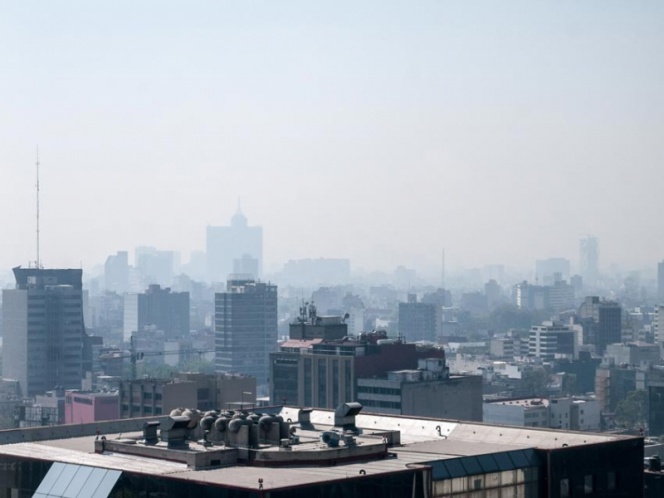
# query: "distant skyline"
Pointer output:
{"type": "Point", "coordinates": [378, 131]}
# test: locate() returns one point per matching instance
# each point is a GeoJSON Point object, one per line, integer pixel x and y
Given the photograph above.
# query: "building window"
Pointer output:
{"type": "Point", "coordinates": [335, 383]}
{"type": "Point", "coordinates": [307, 382]}
{"type": "Point", "coordinates": [348, 395]}
{"type": "Point", "coordinates": [322, 384]}
{"type": "Point", "coordinates": [564, 488]}
{"type": "Point", "coordinates": [611, 481]}
{"type": "Point", "coordinates": [588, 485]}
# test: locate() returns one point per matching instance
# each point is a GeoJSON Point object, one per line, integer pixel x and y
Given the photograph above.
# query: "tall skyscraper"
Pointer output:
{"type": "Point", "coordinates": [154, 266]}
{"type": "Point", "coordinates": [116, 272]}
{"type": "Point", "coordinates": [601, 321]}
{"type": "Point", "coordinates": [660, 282]}
{"type": "Point", "coordinates": [237, 246]}
{"type": "Point", "coordinates": [548, 271]}
{"type": "Point", "coordinates": [43, 330]}
{"type": "Point", "coordinates": [165, 310]}
{"type": "Point", "coordinates": [245, 323]}
{"type": "Point", "coordinates": [589, 260]}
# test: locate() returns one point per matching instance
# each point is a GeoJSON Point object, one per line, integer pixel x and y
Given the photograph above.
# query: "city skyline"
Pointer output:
{"type": "Point", "coordinates": [503, 134]}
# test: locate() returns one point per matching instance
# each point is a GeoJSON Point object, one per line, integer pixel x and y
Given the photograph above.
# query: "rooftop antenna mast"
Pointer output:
{"type": "Point", "coordinates": [38, 261]}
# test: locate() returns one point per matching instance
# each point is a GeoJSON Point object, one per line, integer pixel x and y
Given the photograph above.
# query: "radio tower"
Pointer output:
{"type": "Point", "coordinates": [38, 261]}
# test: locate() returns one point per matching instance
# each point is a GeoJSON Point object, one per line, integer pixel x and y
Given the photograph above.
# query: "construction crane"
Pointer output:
{"type": "Point", "coordinates": [134, 355]}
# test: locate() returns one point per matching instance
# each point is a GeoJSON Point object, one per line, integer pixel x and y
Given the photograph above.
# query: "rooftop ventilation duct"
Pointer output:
{"type": "Point", "coordinates": [176, 430]}
{"type": "Point", "coordinates": [150, 432]}
{"type": "Point", "coordinates": [344, 416]}
{"type": "Point", "coordinates": [304, 418]}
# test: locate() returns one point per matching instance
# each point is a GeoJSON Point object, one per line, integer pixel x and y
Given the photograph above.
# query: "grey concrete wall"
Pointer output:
{"type": "Point", "coordinates": [11, 436]}
{"type": "Point", "coordinates": [457, 398]}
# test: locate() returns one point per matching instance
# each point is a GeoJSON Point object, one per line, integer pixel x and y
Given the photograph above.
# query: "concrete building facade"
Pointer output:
{"type": "Point", "coordinates": [319, 365]}
{"type": "Point", "coordinates": [246, 328]}
{"type": "Point", "coordinates": [88, 407]}
{"type": "Point", "coordinates": [157, 308]}
{"type": "Point", "coordinates": [419, 321]}
{"type": "Point", "coordinates": [428, 391]}
{"type": "Point", "coordinates": [601, 321]}
{"type": "Point", "coordinates": [43, 330]}
{"type": "Point", "coordinates": [551, 340]}
{"type": "Point", "coordinates": [148, 397]}
{"type": "Point", "coordinates": [575, 414]}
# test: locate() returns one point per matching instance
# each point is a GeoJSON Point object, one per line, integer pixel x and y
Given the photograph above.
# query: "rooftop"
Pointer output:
{"type": "Point", "coordinates": [383, 445]}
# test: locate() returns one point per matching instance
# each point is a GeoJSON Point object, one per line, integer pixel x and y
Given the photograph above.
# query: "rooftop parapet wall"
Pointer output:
{"type": "Point", "coordinates": [11, 436]}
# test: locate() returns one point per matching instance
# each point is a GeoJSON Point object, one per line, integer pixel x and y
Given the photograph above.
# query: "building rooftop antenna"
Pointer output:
{"type": "Point", "coordinates": [38, 260]}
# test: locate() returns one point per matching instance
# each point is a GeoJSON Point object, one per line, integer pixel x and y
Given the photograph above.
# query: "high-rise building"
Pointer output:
{"type": "Point", "coordinates": [556, 297]}
{"type": "Point", "coordinates": [601, 321]}
{"type": "Point", "coordinates": [43, 330]}
{"type": "Point", "coordinates": [154, 266]}
{"type": "Point", "coordinates": [419, 321]}
{"type": "Point", "coordinates": [245, 323]}
{"type": "Point", "coordinates": [159, 308]}
{"type": "Point", "coordinates": [550, 270]}
{"type": "Point", "coordinates": [551, 340]}
{"type": "Point", "coordinates": [589, 260]}
{"type": "Point", "coordinates": [116, 272]}
{"type": "Point", "coordinates": [236, 246]}
{"type": "Point", "coordinates": [660, 282]}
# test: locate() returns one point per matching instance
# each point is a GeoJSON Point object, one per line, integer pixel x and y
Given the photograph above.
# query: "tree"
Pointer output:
{"type": "Point", "coordinates": [631, 412]}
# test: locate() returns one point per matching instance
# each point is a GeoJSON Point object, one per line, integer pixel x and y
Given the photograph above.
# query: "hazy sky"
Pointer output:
{"type": "Point", "coordinates": [376, 130]}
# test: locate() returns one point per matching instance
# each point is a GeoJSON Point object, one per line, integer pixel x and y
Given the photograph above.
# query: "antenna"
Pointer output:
{"type": "Point", "coordinates": [38, 261]}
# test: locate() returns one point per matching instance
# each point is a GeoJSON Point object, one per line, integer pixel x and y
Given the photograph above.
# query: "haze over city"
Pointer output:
{"type": "Point", "coordinates": [377, 131]}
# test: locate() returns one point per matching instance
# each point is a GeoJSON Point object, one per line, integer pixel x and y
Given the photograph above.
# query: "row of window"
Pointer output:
{"type": "Point", "coordinates": [395, 405]}
{"type": "Point", "coordinates": [588, 484]}
{"type": "Point", "coordinates": [379, 390]}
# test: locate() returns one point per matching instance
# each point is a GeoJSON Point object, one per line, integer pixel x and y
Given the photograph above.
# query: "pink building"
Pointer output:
{"type": "Point", "coordinates": [83, 408]}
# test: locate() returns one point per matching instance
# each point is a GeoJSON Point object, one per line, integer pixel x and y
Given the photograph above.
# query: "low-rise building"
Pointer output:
{"type": "Point", "coordinates": [323, 373]}
{"type": "Point", "coordinates": [517, 412]}
{"type": "Point", "coordinates": [633, 353]}
{"type": "Point", "coordinates": [428, 391]}
{"type": "Point", "coordinates": [88, 407]}
{"type": "Point", "coordinates": [577, 414]}
{"type": "Point", "coordinates": [45, 409]}
{"type": "Point", "coordinates": [147, 397]}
